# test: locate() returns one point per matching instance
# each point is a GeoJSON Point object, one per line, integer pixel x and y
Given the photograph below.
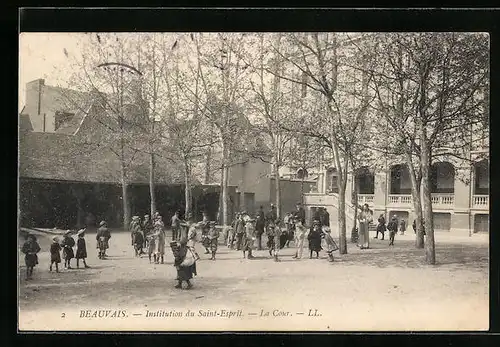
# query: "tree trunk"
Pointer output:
{"type": "Point", "coordinates": [354, 232]}
{"type": "Point", "coordinates": [125, 202]}
{"type": "Point", "coordinates": [430, 251]}
{"type": "Point", "coordinates": [225, 180]}
{"type": "Point", "coordinates": [302, 190]}
{"type": "Point", "coordinates": [277, 188]}
{"type": "Point", "coordinates": [152, 182]}
{"type": "Point", "coordinates": [187, 189]}
{"type": "Point", "coordinates": [417, 203]}
{"type": "Point", "coordinates": [342, 222]}
{"type": "Point", "coordinates": [219, 210]}
{"type": "Point", "coordinates": [207, 165]}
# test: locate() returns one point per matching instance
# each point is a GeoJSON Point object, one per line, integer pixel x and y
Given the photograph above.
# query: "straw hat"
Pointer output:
{"type": "Point", "coordinates": [80, 232]}
{"type": "Point", "coordinates": [102, 223]}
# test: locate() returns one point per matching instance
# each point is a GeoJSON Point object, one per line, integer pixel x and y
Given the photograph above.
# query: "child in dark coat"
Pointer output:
{"type": "Point", "coordinates": [393, 229]}
{"type": "Point", "coordinates": [314, 238]}
{"type": "Point", "coordinates": [81, 249]}
{"type": "Point", "coordinates": [68, 243]}
{"type": "Point", "coordinates": [30, 249]}
{"type": "Point", "coordinates": [55, 253]}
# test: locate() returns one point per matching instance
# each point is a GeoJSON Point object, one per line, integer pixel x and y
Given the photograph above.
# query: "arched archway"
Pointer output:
{"type": "Point", "coordinates": [364, 181]}
{"type": "Point", "coordinates": [331, 180]}
{"type": "Point", "coordinates": [302, 174]}
{"type": "Point", "coordinates": [442, 178]}
{"type": "Point", "coordinates": [400, 179]}
{"type": "Point", "coordinates": [482, 177]}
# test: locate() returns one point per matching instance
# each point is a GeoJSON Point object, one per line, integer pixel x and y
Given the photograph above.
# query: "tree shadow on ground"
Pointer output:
{"type": "Point", "coordinates": [453, 257]}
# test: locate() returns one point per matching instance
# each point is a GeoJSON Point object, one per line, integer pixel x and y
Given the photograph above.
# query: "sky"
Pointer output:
{"type": "Point", "coordinates": [41, 55]}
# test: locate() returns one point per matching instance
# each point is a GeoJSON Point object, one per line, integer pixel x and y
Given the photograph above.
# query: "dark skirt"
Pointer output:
{"type": "Point", "coordinates": [55, 257]}
{"type": "Point", "coordinates": [283, 239]}
{"type": "Point", "coordinates": [315, 245]}
{"type": "Point", "coordinates": [81, 250]}
{"type": "Point", "coordinates": [270, 241]}
{"type": "Point", "coordinates": [185, 273]}
{"type": "Point", "coordinates": [68, 253]}
{"type": "Point", "coordinates": [31, 260]}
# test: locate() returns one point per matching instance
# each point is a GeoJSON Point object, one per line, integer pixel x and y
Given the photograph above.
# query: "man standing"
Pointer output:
{"type": "Point", "coordinates": [259, 226]}
{"type": "Point", "coordinates": [300, 214]}
{"type": "Point", "coordinates": [147, 228]}
{"type": "Point", "coordinates": [240, 230]}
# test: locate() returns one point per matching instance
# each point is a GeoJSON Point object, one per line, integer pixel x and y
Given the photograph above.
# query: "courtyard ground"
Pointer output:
{"type": "Point", "coordinates": [380, 289]}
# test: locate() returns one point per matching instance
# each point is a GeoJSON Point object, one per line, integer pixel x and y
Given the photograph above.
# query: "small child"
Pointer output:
{"type": "Point", "coordinates": [30, 249]}
{"type": "Point", "coordinates": [314, 238]}
{"type": "Point", "coordinates": [68, 243]}
{"type": "Point", "coordinates": [81, 249]}
{"type": "Point", "coordinates": [213, 236]}
{"type": "Point", "coordinates": [393, 229]}
{"type": "Point", "coordinates": [331, 246]}
{"type": "Point", "coordinates": [138, 242]}
{"type": "Point", "coordinates": [55, 253]}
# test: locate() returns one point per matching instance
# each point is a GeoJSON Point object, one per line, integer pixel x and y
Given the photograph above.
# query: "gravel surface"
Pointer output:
{"type": "Point", "coordinates": [380, 289]}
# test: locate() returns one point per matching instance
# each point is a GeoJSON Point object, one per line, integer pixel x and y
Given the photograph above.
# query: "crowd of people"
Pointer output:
{"type": "Point", "coordinates": [148, 236]}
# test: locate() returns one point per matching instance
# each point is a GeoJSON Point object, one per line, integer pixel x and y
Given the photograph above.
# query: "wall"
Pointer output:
{"type": "Point", "coordinates": [290, 193]}
{"type": "Point", "coordinates": [252, 177]}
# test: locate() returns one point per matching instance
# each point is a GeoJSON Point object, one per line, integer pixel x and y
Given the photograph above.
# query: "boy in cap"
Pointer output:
{"type": "Point", "coordinates": [81, 249]}
{"type": "Point", "coordinates": [393, 229]}
{"type": "Point", "coordinates": [213, 236]}
{"type": "Point", "coordinates": [55, 253]}
{"type": "Point", "coordinates": [248, 238]}
{"type": "Point", "coordinates": [30, 249]}
{"type": "Point", "coordinates": [68, 243]}
{"type": "Point", "coordinates": [103, 235]}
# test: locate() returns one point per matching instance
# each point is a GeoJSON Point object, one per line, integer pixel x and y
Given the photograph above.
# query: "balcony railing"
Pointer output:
{"type": "Point", "coordinates": [438, 200]}
{"type": "Point", "coordinates": [365, 199]}
{"type": "Point", "coordinates": [443, 199]}
{"type": "Point", "coordinates": [400, 199]}
{"type": "Point", "coordinates": [481, 202]}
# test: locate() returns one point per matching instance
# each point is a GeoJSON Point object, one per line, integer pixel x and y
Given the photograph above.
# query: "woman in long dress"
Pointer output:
{"type": "Point", "coordinates": [365, 218]}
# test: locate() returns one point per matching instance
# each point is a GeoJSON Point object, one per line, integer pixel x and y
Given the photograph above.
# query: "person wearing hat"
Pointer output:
{"type": "Point", "coordinates": [55, 253]}
{"type": "Point", "coordinates": [314, 239]}
{"type": "Point", "coordinates": [205, 227]}
{"type": "Point", "coordinates": [260, 224]}
{"type": "Point", "coordinates": [300, 213]}
{"type": "Point", "coordinates": [159, 231]}
{"type": "Point", "coordinates": [365, 217]}
{"type": "Point", "coordinates": [30, 249]}
{"type": "Point", "coordinates": [103, 235]}
{"type": "Point", "coordinates": [213, 236]}
{"type": "Point", "coordinates": [135, 226]}
{"type": "Point", "coordinates": [248, 238]}
{"type": "Point", "coordinates": [184, 262]}
{"type": "Point", "coordinates": [331, 245]}
{"type": "Point", "coordinates": [138, 242]}
{"type": "Point", "coordinates": [81, 249]}
{"type": "Point", "coordinates": [231, 235]}
{"type": "Point", "coordinates": [393, 229]}
{"type": "Point", "coordinates": [68, 243]}
{"type": "Point", "coordinates": [381, 227]}
{"type": "Point", "coordinates": [240, 231]}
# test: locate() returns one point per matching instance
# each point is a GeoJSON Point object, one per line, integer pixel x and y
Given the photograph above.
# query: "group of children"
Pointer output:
{"type": "Point", "coordinates": [31, 248]}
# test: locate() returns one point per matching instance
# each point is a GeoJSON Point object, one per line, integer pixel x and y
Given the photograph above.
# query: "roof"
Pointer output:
{"type": "Point", "coordinates": [64, 157]}
{"type": "Point", "coordinates": [72, 126]}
